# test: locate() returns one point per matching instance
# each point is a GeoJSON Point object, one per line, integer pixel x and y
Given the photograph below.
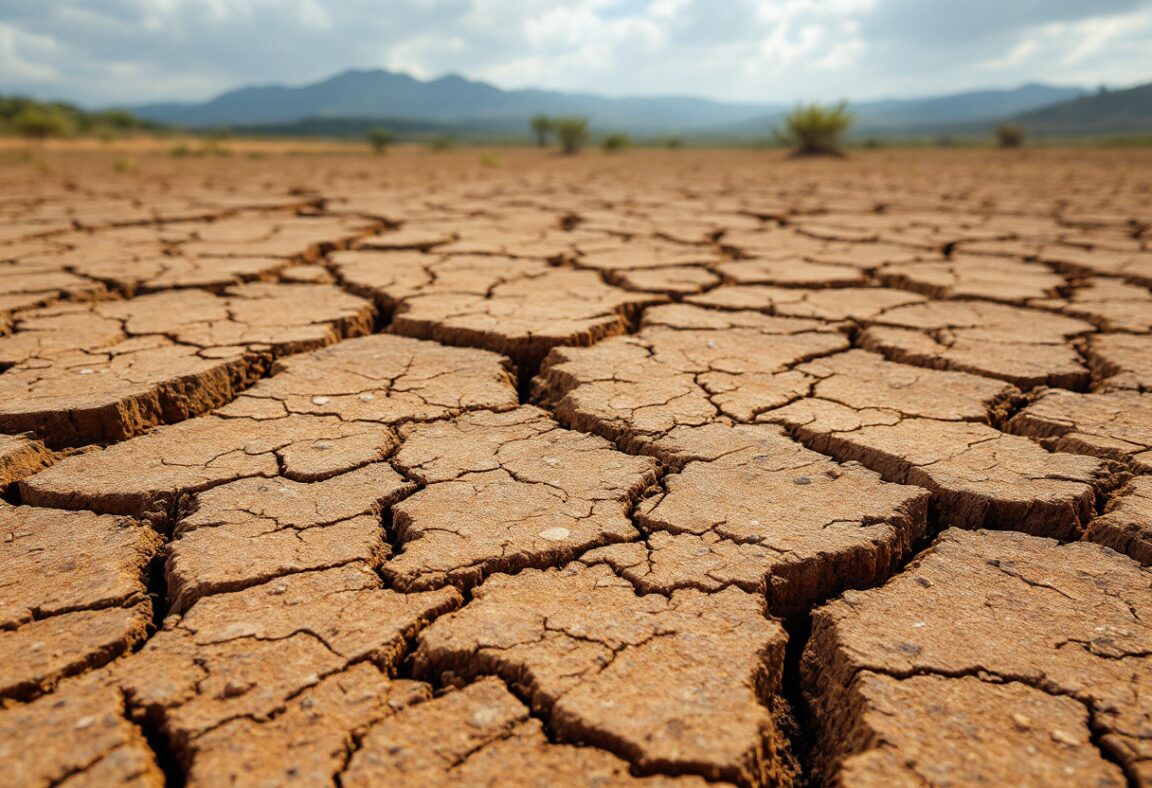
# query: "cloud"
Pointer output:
{"type": "Point", "coordinates": [109, 51]}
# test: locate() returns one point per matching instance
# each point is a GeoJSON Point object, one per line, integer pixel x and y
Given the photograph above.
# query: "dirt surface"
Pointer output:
{"type": "Point", "coordinates": [513, 469]}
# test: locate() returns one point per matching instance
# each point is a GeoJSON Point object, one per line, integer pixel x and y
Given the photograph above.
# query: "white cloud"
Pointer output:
{"type": "Point", "coordinates": [101, 51]}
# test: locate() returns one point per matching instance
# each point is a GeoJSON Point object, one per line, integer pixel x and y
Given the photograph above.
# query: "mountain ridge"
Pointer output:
{"type": "Point", "coordinates": [459, 102]}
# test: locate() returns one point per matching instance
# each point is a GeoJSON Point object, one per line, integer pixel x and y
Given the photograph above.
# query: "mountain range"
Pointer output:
{"type": "Point", "coordinates": [350, 102]}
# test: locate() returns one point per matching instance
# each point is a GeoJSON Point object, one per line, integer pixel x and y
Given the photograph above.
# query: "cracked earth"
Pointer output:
{"type": "Point", "coordinates": [656, 469]}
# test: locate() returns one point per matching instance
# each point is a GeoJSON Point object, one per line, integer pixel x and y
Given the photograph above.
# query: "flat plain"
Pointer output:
{"type": "Point", "coordinates": [500, 468]}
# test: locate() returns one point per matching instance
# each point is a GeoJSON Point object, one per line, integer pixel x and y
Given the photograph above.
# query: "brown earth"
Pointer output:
{"type": "Point", "coordinates": [503, 468]}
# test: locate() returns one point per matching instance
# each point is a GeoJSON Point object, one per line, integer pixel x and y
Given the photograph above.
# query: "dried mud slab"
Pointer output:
{"type": "Point", "coordinates": [381, 379]}
{"type": "Point", "coordinates": [502, 492]}
{"type": "Point", "coordinates": [132, 275]}
{"type": "Point", "coordinates": [321, 415]}
{"type": "Point", "coordinates": [1112, 425]}
{"type": "Point", "coordinates": [791, 272]}
{"type": "Point", "coordinates": [1131, 266]}
{"type": "Point", "coordinates": [79, 736]}
{"type": "Point", "coordinates": [988, 278]}
{"type": "Point", "coordinates": [247, 656]}
{"type": "Point", "coordinates": [1126, 527]}
{"type": "Point", "coordinates": [1124, 361]}
{"type": "Point", "coordinates": [308, 739]}
{"type": "Point", "coordinates": [469, 737]}
{"type": "Point", "coordinates": [598, 661]}
{"type": "Point", "coordinates": [979, 476]}
{"type": "Point", "coordinates": [162, 358]}
{"type": "Point", "coordinates": [27, 286]}
{"type": "Point", "coordinates": [846, 303]}
{"type": "Point", "coordinates": [519, 308]}
{"type": "Point", "coordinates": [1034, 653]}
{"type": "Point", "coordinates": [282, 317]}
{"type": "Point", "coordinates": [147, 475]}
{"type": "Point", "coordinates": [291, 237]}
{"type": "Point", "coordinates": [1108, 304]}
{"type": "Point", "coordinates": [1022, 346]}
{"type": "Point", "coordinates": [866, 381]}
{"type": "Point", "coordinates": [770, 517]}
{"type": "Point", "coordinates": [686, 367]}
{"type": "Point", "coordinates": [640, 254]}
{"type": "Point", "coordinates": [406, 239]}
{"type": "Point", "coordinates": [673, 281]}
{"type": "Point", "coordinates": [524, 319]}
{"type": "Point", "coordinates": [252, 530]}
{"type": "Point", "coordinates": [991, 734]}
{"type": "Point", "coordinates": [21, 456]}
{"type": "Point", "coordinates": [73, 593]}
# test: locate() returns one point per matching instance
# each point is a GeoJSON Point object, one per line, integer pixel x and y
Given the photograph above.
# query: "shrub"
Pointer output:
{"type": "Point", "coordinates": [212, 147]}
{"type": "Point", "coordinates": [1009, 136]}
{"type": "Point", "coordinates": [379, 139]}
{"type": "Point", "coordinates": [673, 143]}
{"type": "Point", "coordinates": [542, 127]}
{"type": "Point", "coordinates": [41, 122]}
{"type": "Point", "coordinates": [615, 142]}
{"type": "Point", "coordinates": [573, 133]}
{"type": "Point", "coordinates": [815, 130]}
{"type": "Point", "coordinates": [441, 143]}
{"type": "Point", "coordinates": [116, 120]}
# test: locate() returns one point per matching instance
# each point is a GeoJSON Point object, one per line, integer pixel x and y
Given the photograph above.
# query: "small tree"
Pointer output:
{"type": "Point", "coordinates": [542, 127]}
{"type": "Point", "coordinates": [1009, 136]}
{"type": "Point", "coordinates": [815, 130]}
{"type": "Point", "coordinates": [573, 133]}
{"type": "Point", "coordinates": [673, 143]}
{"type": "Point", "coordinates": [40, 122]}
{"type": "Point", "coordinates": [379, 139]}
{"type": "Point", "coordinates": [615, 142]}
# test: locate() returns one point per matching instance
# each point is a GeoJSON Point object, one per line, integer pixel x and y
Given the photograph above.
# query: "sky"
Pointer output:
{"type": "Point", "coordinates": [108, 52]}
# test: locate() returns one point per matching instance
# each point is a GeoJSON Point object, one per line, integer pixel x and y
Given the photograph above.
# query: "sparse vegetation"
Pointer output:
{"type": "Point", "coordinates": [816, 130]}
{"type": "Point", "coordinates": [379, 139]}
{"type": "Point", "coordinates": [441, 144]}
{"type": "Point", "coordinates": [41, 119]}
{"type": "Point", "coordinates": [1009, 136]}
{"type": "Point", "coordinates": [615, 142]}
{"type": "Point", "coordinates": [41, 122]}
{"type": "Point", "coordinates": [572, 131]}
{"type": "Point", "coordinates": [542, 127]}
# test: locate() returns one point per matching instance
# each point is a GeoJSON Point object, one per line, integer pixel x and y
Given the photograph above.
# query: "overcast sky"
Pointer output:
{"type": "Point", "coordinates": [100, 52]}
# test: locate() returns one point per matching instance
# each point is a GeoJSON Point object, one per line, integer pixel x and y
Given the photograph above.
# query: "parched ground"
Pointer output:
{"type": "Point", "coordinates": [509, 468]}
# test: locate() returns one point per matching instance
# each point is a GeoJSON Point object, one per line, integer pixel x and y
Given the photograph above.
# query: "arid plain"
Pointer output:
{"type": "Point", "coordinates": [512, 468]}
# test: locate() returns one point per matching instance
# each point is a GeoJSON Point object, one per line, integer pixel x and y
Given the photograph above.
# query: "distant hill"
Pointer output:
{"type": "Point", "coordinates": [349, 102]}
{"type": "Point", "coordinates": [968, 112]}
{"type": "Point", "coordinates": [1106, 112]}
{"type": "Point", "coordinates": [972, 107]}
{"type": "Point", "coordinates": [450, 100]}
